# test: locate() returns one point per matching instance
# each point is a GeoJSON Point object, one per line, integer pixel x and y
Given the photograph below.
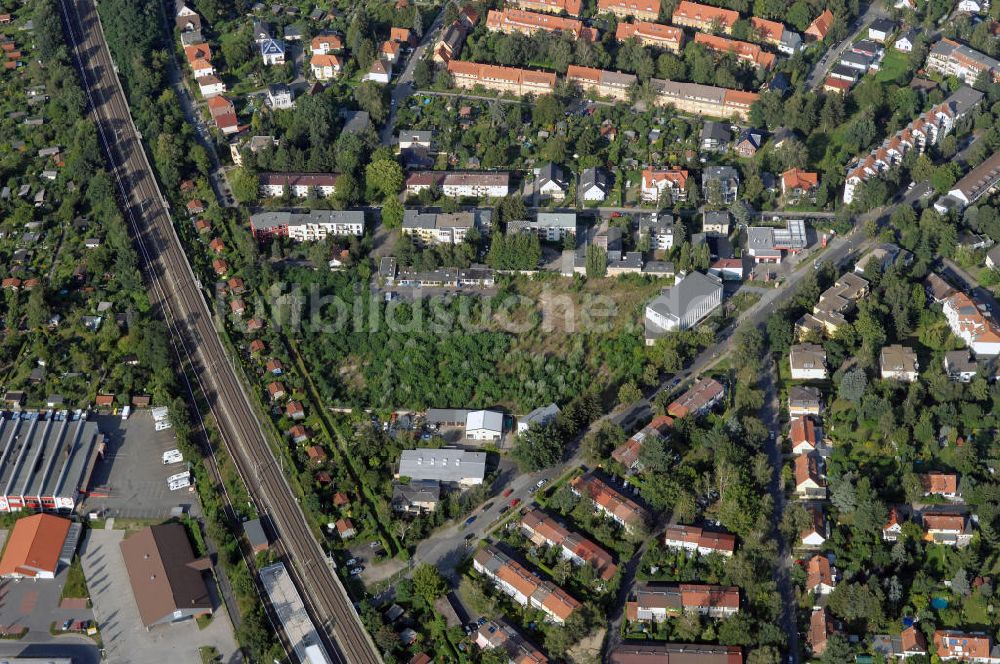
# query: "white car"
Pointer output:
{"type": "Point", "coordinates": [179, 484]}
{"type": "Point", "coordinates": [186, 475]}
{"type": "Point", "coordinates": [162, 426]}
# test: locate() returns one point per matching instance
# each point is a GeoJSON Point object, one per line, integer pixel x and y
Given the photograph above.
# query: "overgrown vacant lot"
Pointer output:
{"type": "Point", "coordinates": [534, 342]}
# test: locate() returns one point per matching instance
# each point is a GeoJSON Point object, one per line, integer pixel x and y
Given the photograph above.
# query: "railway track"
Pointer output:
{"type": "Point", "coordinates": [175, 293]}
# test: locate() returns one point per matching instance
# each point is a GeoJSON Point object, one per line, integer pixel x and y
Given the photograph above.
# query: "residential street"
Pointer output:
{"type": "Point", "coordinates": [402, 87]}
{"type": "Point", "coordinates": [818, 74]}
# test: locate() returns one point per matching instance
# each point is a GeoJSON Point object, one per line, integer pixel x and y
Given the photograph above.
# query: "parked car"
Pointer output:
{"type": "Point", "coordinates": [468, 522]}
{"type": "Point", "coordinates": [508, 492]}
{"type": "Point", "coordinates": [515, 502]}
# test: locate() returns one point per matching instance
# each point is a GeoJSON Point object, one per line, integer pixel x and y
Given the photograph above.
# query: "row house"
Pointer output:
{"type": "Point", "coordinates": [698, 399]}
{"type": "Point", "coordinates": [646, 10]}
{"type": "Point", "coordinates": [570, 7]}
{"type": "Point", "coordinates": [297, 185]}
{"type": "Point", "coordinates": [223, 114]}
{"type": "Point", "coordinates": [524, 587]}
{"type": "Point", "coordinates": [501, 79]}
{"type": "Point", "coordinates": [744, 51]}
{"type": "Point", "coordinates": [704, 17]}
{"type": "Point", "coordinates": [703, 99]}
{"type": "Point", "coordinates": [970, 325]}
{"type": "Point", "coordinates": [923, 131]}
{"type": "Point", "coordinates": [694, 539]}
{"type": "Point", "coordinates": [627, 454]}
{"type": "Point", "coordinates": [658, 183]}
{"type": "Point", "coordinates": [528, 23]}
{"type": "Point", "coordinates": [609, 501]}
{"type": "Point", "coordinates": [500, 634]}
{"type": "Point", "coordinates": [950, 58]}
{"type": "Point", "coordinates": [613, 84]}
{"type": "Point", "coordinates": [656, 602]}
{"type": "Point", "coordinates": [776, 34]}
{"type": "Point", "coordinates": [652, 34]}
{"type": "Point", "coordinates": [543, 530]}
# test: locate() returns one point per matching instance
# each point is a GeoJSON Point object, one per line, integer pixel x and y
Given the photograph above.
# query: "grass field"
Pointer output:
{"type": "Point", "coordinates": [894, 66]}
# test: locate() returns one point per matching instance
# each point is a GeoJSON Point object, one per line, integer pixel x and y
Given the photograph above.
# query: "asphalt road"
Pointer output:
{"type": "Point", "coordinates": [403, 86]}
{"type": "Point", "coordinates": [175, 295]}
{"type": "Point", "coordinates": [818, 74]}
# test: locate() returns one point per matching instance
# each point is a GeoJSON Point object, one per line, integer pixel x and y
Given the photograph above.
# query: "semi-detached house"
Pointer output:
{"type": "Point", "coordinates": [500, 634]}
{"type": "Point", "coordinates": [523, 586]}
{"type": "Point", "coordinates": [966, 646]}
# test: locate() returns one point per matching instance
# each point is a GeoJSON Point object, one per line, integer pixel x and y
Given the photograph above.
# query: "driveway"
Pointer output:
{"type": "Point", "coordinates": [126, 640]}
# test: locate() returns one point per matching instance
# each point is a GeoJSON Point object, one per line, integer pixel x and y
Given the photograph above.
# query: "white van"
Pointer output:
{"type": "Point", "coordinates": [179, 484]}
{"type": "Point", "coordinates": [126, 411]}
{"type": "Point", "coordinates": [172, 456]}
{"type": "Point", "coordinates": [186, 475]}
{"type": "Point", "coordinates": [162, 426]}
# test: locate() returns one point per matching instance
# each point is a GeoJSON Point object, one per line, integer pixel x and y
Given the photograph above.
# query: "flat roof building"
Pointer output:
{"type": "Point", "coordinates": [461, 467]}
{"type": "Point", "coordinates": [46, 459]}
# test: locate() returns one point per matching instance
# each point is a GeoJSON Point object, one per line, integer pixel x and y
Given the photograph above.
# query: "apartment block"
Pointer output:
{"type": "Point", "coordinates": [971, 325]}
{"type": "Point", "coordinates": [704, 17]}
{"type": "Point", "coordinates": [647, 10]}
{"type": "Point", "coordinates": [658, 183]}
{"type": "Point", "coordinates": [571, 7]}
{"type": "Point", "coordinates": [694, 539]}
{"type": "Point", "coordinates": [703, 99]}
{"type": "Point", "coordinates": [501, 79]}
{"type": "Point", "coordinates": [604, 83]}
{"type": "Point", "coordinates": [950, 58]}
{"type": "Point", "coordinates": [528, 23]}
{"type": "Point", "coordinates": [652, 34]}
{"type": "Point", "coordinates": [609, 500]}
{"type": "Point", "coordinates": [744, 51]}
{"type": "Point", "coordinates": [443, 228]}
{"type": "Point", "coordinates": [307, 226]}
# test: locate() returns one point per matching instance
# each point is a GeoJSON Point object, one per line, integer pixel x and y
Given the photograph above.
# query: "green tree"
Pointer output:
{"type": "Point", "coordinates": [539, 447]}
{"type": "Point", "coordinates": [392, 212]}
{"type": "Point", "coordinates": [244, 185]}
{"type": "Point", "coordinates": [37, 310]}
{"type": "Point", "coordinates": [384, 177]}
{"type": "Point", "coordinates": [428, 582]}
{"type": "Point", "coordinates": [852, 385]}
{"type": "Point", "coordinates": [596, 262]}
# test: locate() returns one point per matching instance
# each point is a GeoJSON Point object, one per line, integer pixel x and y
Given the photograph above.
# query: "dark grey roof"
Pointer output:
{"type": "Point", "coordinates": [254, 531]}
{"type": "Point", "coordinates": [356, 122]}
{"type": "Point", "coordinates": [552, 173]}
{"type": "Point", "coordinates": [882, 25]}
{"type": "Point", "coordinates": [593, 177]}
{"type": "Point", "coordinates": [716, 217]}
{"type": "Point", "coordinates": [417, 491]}
{"type": "Point", "coordinates": [716, 131]}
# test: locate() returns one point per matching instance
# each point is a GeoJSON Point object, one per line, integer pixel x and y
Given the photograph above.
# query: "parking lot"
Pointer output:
{"type": "Point", "coordinates": [35, 604]}
{"type": "Point", "coordinates": [131, 480]}
{"type": "Point", "coordinates": [126, 640]}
